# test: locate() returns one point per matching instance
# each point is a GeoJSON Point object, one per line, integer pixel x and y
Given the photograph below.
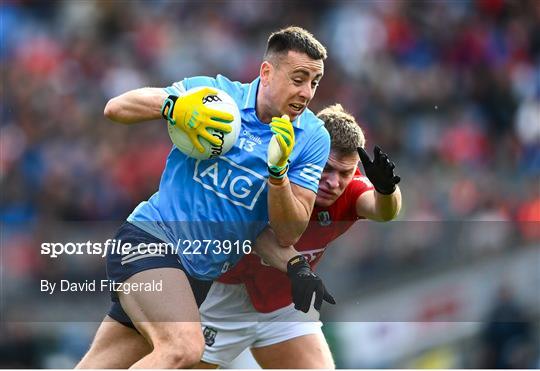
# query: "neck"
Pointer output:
{"type": "Point", "coordinates": [261, 109]}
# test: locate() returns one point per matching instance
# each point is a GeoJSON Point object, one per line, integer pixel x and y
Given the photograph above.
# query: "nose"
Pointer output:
{"type": "Point", "coordinates": [306, 92]}
{"type": "Point", "coordinates": [332, 180]}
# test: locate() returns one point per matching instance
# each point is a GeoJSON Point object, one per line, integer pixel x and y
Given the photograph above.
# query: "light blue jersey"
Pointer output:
{"type": "Point", "coordinates": [225, 199]}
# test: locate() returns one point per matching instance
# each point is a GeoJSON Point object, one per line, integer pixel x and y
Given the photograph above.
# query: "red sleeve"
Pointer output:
{"type": "Point", "coordinates": [355, 189]}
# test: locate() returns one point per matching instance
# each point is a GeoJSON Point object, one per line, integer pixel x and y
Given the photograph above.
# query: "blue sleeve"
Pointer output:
{"type": "Point", "coordinates": [184, 85]}
{"type": "Point", "coordinates": [307, 167]}
{"type": "Point", "coordinates": [220, 82]}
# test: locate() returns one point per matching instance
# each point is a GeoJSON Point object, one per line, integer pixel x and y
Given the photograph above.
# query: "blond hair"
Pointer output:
{"type": "Point", "coordinates": [345, 134]}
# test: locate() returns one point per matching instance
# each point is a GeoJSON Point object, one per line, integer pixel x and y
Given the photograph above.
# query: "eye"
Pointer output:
{"type": "Point", "coordinates": [298, 81]}
{"type": "Point", "coordinates": [314, 84]}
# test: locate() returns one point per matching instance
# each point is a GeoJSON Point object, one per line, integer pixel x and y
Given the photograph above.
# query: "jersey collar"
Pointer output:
{"type": "Point", "coordinates": [251, 96]}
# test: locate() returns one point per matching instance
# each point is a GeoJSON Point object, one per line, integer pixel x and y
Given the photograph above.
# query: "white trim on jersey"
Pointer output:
{"type": "Point", "coordinates": [312, 173]}
{"type": "Point", "coordinates": [309, 170]}
{"type": "Point", "coordinates": [315, 167]}
{"type": "Point", "coordinates": [309, 178]}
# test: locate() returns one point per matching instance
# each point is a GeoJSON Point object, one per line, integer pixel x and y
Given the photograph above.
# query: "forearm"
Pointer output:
{"type": "Point", "coordinates": [268, 248]}
{"type": "Point", "coordinates": [288, 215]}
{"type": "Point", "coordinates": [136, 106]}
{"type": "Point", "coordinates": [387, 206]}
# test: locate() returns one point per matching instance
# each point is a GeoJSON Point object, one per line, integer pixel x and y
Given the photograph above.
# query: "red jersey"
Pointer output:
{"type": "Point", "coordinates": [269, 289]}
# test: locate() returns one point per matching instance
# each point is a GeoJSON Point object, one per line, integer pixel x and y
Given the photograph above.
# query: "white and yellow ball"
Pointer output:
{"type": "Point", "coordinates": [222, 102]}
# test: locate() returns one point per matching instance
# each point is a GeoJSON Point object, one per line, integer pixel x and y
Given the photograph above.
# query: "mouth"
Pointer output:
{"type": "Point", "coordinates": [297, 108]}
{"type": "Point", "coordinates": [325, 194]}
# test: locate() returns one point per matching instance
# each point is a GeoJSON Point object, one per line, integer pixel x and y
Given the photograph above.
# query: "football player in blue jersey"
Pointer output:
{"type": "Point", "coordinates": [227, 200]}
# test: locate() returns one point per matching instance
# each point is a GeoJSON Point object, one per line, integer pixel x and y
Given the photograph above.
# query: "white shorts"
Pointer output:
{"type": "Point", "coordinates": [231, 324]}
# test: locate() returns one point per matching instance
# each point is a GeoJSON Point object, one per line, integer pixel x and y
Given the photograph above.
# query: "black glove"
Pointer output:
{"type": "Point", "coordinates": [380, 171]}
{"type": "Point", "coordinates": [304, 283]}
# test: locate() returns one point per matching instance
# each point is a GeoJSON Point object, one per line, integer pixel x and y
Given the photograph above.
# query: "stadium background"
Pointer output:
{"type": "Point", "coordinates": [451, 89]}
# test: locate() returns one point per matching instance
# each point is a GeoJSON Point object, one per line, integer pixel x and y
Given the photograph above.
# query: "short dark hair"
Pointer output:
{"type": "Point", "coordinates": [296, 39]}
{"type": "Point", "coordinates": [345, 133]}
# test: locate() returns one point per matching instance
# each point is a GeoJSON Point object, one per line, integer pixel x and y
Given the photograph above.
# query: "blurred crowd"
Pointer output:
{"type": "Point", "coordinates": [449, 88]}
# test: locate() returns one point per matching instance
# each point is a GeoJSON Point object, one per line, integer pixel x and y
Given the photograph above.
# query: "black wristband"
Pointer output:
{"type": "Point", "coordinates": [278, 174]}
{"type": "Point", "coordinates": [167, 108]}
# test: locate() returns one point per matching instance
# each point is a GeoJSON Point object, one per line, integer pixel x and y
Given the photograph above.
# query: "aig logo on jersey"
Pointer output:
{"type": "Point", "coordinates": [238, 184]}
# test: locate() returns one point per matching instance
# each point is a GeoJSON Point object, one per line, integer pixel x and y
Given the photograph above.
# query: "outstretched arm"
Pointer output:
{"type": "Point", "coordinates": [136, 106]}
{"type": "Point", "coordinates": [376, 206]}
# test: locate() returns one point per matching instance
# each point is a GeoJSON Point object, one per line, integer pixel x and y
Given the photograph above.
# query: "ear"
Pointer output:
{"type": "Point", "coordinates": [265, 73]}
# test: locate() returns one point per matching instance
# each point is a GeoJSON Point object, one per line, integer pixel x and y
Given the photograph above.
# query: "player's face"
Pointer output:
{"type": "Point", "coordinates": [336, 176]}
{"type": "Point", "coordinates": [292, 83]}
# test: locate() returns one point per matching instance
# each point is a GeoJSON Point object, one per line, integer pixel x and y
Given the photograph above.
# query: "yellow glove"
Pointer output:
{"type": "Point", "coordinates": [190, 115]}
{"type": "Point", "coordinates": [280, 147]}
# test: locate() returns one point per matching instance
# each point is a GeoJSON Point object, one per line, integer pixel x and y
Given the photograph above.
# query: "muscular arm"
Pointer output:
{"type": "Point", "coordinates": [268, 248]}
{"type": "Point", "coordinates": [136, 106]}
{"type": "Point", "coordinates": [289, 210]}
{"type": "Point", "coordinates": [376, 206]}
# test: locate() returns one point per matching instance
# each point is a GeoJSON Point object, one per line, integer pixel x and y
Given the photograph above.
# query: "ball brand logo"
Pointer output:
{"type": "Point", "coordinates": [217, 149]}
{"type": "Point", "coordinates": [211, 98]}
{"type": "Point", "coordinates": [240, 185]}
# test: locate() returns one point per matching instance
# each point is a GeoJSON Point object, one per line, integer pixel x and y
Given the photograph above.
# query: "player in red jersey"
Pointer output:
{"type": "Point", "coordinates": [252, 306]}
